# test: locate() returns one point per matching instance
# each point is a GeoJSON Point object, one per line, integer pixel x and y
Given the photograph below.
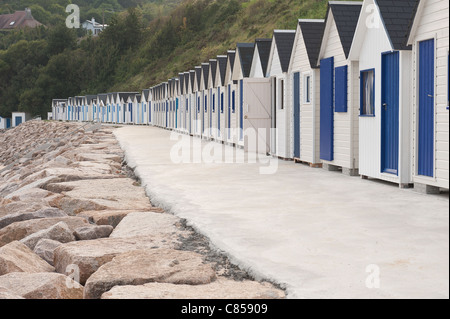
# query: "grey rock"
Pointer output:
{"type": "Point", "coordinates": [59, 232]}
{"type": "Point", "coordinates": [93, 232]}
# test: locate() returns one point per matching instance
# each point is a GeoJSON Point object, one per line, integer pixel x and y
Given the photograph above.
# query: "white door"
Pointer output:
{"type": "Point", "coordinates": [257, 115]}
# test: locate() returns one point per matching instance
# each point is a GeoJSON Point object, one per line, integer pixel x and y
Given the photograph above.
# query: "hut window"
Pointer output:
{"type": "Point", "coordinates": [221, 103]}
{"type": "Point", "coordinates": [367, 93]}
{"type": "Point", "coordinates": [214, 103]}
{"type": "Point", "coordinates": [307, 82]}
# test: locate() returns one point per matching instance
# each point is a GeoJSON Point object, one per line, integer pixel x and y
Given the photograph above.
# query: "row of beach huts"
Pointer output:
{"type": "Point", "coordinates": [364, 91]}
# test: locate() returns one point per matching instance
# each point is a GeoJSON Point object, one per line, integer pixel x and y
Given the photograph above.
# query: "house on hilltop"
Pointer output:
{"type": "Point", "coordinates": [18, 20]}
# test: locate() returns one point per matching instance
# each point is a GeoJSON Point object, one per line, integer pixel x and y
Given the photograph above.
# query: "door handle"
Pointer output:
{"type": "Point", "coordinates": [429, 95]}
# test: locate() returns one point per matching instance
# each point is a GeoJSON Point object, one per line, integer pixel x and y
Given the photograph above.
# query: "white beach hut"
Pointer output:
{"type": "Point", "coordinates": [380, 48]}
{"type": "Point", "coordinates": [18, 118]}
{"type": "Point", "coordinates": [277, 68]}
{"type": "Point", "coordinates": [220, 88]}
{"type": "Point", "coordinates": [339, 89]}
{"type": "Point", "coordinates": [241, 70]}
{"type": "Point", "coordinates": [230, 116]}
{"type": "Point", "coordinates": [305, 93]}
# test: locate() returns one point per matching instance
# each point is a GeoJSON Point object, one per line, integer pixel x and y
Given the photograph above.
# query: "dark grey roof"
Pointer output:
{"type": "Point", "coordinates": [138, 98]}
{"type": "Point", "coordinates": [205, 71]}
{"type": "Point", "coordinates": [102, 97]}
{"type": "Point", "coordinates": [89, 98]}
{"type": "Point", "coordinates": [312, 32]}
{"type": "Point", "coordinates": [126, 95]}
{"type": "Point", "coordinates": [284, 40]}
{"type": "Point", "coordinates": [181, 76]}
{"type": "Point", "coordinates": [213, 65]}
{"type": "Point", "coordinates": [346, 17]}
{"type": "Point", "coordinates": [186, 81]}
{"type": "Point", "coordinates": [246, 51]}
{"type": "Point", "coordinates": [198, 74]}
{"type": "Point", "coordinates": [192, 78]}
{"type": "Point", "coordinates": [398, 17]}
{"type": "Point", "coordinates": [222, 62]}
{"type": "Point", "coordinates": [231, 56]}
{"type": "Point", "coordinates": [264, 52]}
{"type": "Point", "coordinates": [146, 94]}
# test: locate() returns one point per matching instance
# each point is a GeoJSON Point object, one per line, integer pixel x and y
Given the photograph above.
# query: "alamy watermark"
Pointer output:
{"type": "Point", "coordinates": [373, 280]}
{"type": "Point", "coordinates": [255, 146]}
{"type": "Point", "coordinates": [73, 20]}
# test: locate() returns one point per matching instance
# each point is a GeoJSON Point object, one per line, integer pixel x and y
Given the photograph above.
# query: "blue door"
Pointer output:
{"type": "Point", "coordinates": [229, 112]}
{"type": "Point", "coordinates": [176, 114]}
{"type": "Point", "coordinates": [296, 115]}
{"type": "Point", "coordinates": [426, 109]}
{"type": "Point", "coordinates": [219, 109]}
{"type": "Point", "coordinates": [18, 120]}
{"type": "Point", "coordinates": [241, 111]}
{"type": "Point", "coordinates": [326, 109]}
{"type": "Point", "coordinates": [390, 112]}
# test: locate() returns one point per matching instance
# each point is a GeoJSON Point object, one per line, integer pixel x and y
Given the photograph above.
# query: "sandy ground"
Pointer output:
{"type": "Point", "coordinates": [319, 234]}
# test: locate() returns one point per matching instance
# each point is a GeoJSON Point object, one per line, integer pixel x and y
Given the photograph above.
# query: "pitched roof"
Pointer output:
{"type": "Point", "coordinates": [198, 74]}
{"type": "Point", "coordinates": [346, 15]}
{"type": "Point", "coordinates": [284, 40]}
{"type": "Point", "coordinates": [222, 62]}
{"type": "Point", "coordinates": [246, 51]}
{"type": "Point", "coordinates": [213, 65]}
{"type": "Point", "coordinates": [398, 17]}
{"type": "Point", "coordinates": [192, 78]}
{"type": "Point", "coordinates": [18, 20]}
{"type": "Point", "coordinates": [146, 94]}
{"type": "Point", "coordinates": [231, 56]}
{"type": "Point", "coordinates": [263, 46]}
{"type": "Point", "coordinates": [205, 71]}
{"type": "Point", "coordinates": [312, 31]}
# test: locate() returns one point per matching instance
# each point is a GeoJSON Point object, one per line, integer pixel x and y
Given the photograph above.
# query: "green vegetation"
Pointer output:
{"type": "Point", "coordinates": [144, 45]}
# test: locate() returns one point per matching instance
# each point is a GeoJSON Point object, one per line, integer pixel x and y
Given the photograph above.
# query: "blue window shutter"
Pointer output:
{"type": "Point", "coordinates": [340, 98]}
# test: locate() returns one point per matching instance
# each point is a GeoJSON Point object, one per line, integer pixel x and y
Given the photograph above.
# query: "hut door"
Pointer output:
{"type": "Point", "coordinates": [326, 109]}
{"type": "Point", "coordinates": [390, 113]}
{"type": "Point", "coordinates": [296, 115]}
{"type": "Point", "coordinates": [257, 115]}
{"type": "Point", "coordinates": [18, 120]}
{"type": "Point", "coordinates": [426, 109]}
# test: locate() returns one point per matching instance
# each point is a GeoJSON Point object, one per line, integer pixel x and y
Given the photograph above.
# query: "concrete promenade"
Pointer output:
{"type": "Point", "coordinates": [319, 234]}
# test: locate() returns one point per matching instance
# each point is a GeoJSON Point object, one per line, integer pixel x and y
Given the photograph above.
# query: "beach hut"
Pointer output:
{"type": "Point", "coordinates": [18, 118]}
{"type": "Point", "coordinates": [5, 123]}
{"type": "Point", "coordinates": [385, 70]}
{"type": "Point", "coordinates": [191, 102]}
{"type": "Point", "coordinates": [136, 100]}
{"type": "Point", "coordinates": [197, 118]}
{"type": "Point", "coordinates": [305, 93]}
{"type": "Point", "coordinates": [339, 89]}
{"type": "Point", "coordinates": [212, 94]}
{"type": "Point", "coordinates": [59, 109]}
{"type": "Point", "coordinates": [98, 107]}
{"type": "Point", "coordinates": [231, 100]}
{"type": "Point", "coordinates": [181, 103]}
{"type": "Point", "coordinates": [87, 112]}
{"type": "Point", "coordinates": [277, 68]}
{"type": "Point", "coordinates": [241, 70]}
{"type": "Point", "coordinates": [205, 100]}
{"type": "Point", "coordinates": [220, 87]}
{"type": "Point", "coordinates": [429, 38]}
{"type": "Point", "coordinates": [145, 107]}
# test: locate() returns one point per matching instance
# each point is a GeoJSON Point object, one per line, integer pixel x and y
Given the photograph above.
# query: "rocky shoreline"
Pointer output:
{"type": "Point", "coordinates": [75, 223]}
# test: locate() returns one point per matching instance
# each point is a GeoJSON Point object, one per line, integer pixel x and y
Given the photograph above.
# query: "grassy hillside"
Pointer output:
{"type": "Point", "coordinates": [145, 45]}
{"type": "Point", "coordinates": [199, 30]}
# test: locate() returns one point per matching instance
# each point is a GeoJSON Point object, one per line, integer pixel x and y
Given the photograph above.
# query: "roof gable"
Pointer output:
{"type": "Point", "coordinates": [346, 16]}
{"type": "Point", "coordinates": [245, 53]}
{"type": "Point", "coordinates": [312, 33]}
{"type": "Point", "coordinates": [263, 46]}
{"type": "Point", "coordinates": [284, 41]}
